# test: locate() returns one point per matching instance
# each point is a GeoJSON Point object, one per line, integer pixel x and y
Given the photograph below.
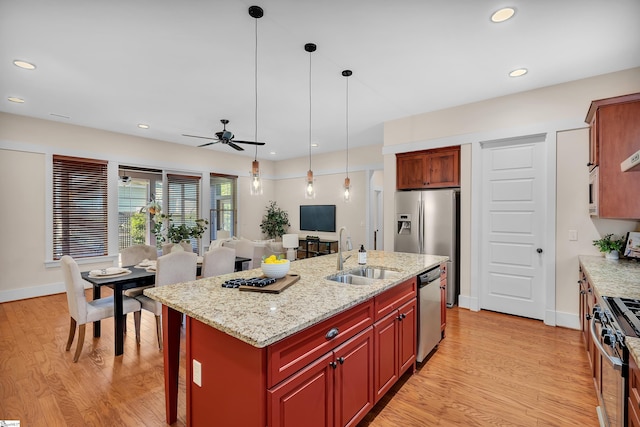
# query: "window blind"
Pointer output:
{"type": "Point", "coordinates": [184, 200]}
{"type": "Point", "coordinates": [80, 208]}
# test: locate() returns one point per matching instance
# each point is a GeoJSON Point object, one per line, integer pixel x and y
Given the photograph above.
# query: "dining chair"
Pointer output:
{"type": "Point", "coordinates": [175, 267]}
{"type": "Point", "coordinates": [167, 248]}
{"type": "Point", "coordinates": [217, 261]}
{"type": "Point", "coordinates": [82, 311]}
{"type": "Point", "coordinates": [134, 255]}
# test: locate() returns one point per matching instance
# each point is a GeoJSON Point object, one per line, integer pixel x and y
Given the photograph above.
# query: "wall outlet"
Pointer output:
{"type": "Point", "coordinates": [573, 235]}
{"type": "Point", "coordinates": [197, 373]}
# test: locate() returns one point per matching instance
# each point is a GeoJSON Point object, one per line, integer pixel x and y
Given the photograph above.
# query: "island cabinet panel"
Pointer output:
{"type": "Point", "coordinates": [233, 374]}
{"type": "Point", "coordinates": [335, 390]}
{"type": "Point", "coordinates": [395, 340]}
{"type": "Point", "coordinates": [392, 299]}
{"type": "Point", "coordinates": [633, 402]}
{"type": "Point", "coordinates": [297, 351]}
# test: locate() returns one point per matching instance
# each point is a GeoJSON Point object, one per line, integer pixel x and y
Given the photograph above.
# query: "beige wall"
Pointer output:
{"type": "Point", "coordinates": [26, 145]}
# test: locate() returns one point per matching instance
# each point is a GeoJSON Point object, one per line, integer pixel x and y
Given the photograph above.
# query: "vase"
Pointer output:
{"type": "Point", "coordinates": [612, 255]}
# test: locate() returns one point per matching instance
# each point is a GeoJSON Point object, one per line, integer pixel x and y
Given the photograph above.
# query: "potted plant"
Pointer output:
{"type": "Point", "coordinates": [275, 222]}
{"type": "Point", "coordinates": [610, 246]}
{"type": "Point", "coordinates": [166, 231]}
{"type": "Point", "coordinates": [153, 208]}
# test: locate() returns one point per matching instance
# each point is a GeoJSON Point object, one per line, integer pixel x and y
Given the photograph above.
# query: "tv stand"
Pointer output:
{"type": "Point", "coordinates": [310, 247]}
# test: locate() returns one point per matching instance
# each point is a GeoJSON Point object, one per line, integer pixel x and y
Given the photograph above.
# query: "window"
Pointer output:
{"type": "Point", "coordinates": [184, 201]}
{"type": "Point", "coordinates": [136, 188]}
{"type": "Point", "coordinates": [80, 226]}
{"type": "Point", "coordinates": [223, 213]}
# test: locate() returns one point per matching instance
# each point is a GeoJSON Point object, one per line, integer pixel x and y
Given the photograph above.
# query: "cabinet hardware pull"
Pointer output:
{"type": "Point", "coordinates": [333, 364]}
{"type": "Point", "coordinates": [582, 292]}
{"type": "Point", "coordinates": [341, 360]}
{"type": "Point", "coordinates": [333, 332]}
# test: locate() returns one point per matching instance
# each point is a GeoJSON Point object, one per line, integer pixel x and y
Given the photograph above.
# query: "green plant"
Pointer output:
{"type": "Point", "coordinates": [166, 231]}
{"type": "Point", "coordinates": [138, 226]}
{"type": "Point", "coordinates": [608, 243]}
{"type": "Point", "coordinates": [275, 221]}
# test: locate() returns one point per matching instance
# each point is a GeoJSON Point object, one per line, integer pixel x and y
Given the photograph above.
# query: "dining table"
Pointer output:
{"type": "Point", "coordinates": [139, 276]}
{"type": "Point", "coordinates": [119, 283]}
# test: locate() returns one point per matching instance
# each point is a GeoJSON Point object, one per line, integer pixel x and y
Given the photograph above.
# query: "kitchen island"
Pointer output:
{"type": "Point", "coordinates": [241, 345]}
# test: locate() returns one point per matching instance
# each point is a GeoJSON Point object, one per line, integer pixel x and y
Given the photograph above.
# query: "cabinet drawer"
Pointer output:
{"type": "Point", "coordinates": [297, 351]}
{"type": "Point", "coordinates": [390, 300]}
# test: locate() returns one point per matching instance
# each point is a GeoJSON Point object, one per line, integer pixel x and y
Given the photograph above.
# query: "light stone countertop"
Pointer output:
{"type": "Point", "coordinates": [260, 319]}
{"type": "Point", "coordinates": [615, 278]}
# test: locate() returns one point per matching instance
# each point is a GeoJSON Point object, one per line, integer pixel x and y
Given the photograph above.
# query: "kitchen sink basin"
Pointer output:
{"type": "Point", "coordinates": [363, 275]}
{"type": "Point", "coordinates": [374, 273]}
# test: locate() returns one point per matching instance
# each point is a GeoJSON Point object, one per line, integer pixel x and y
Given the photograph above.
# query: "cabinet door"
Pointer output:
{"type": "Point", "coordinates": [410, 171]}
{"type": "Point", "coordinates": [444, 169]}
{"type": "Point", "coordinates": [306, 398]}
{"type": "Point", "coordinates": [353, 381]}
{"type": "Point", "coordinates": [443, 299]}
{"type": "Point", "coordinates": [386, 354]}
{"type": "Point", "coordinates": [407, 336]}
{"type": "Point", "coordinates": [633, 402]}
{"type": "Point", "coordinates": [593, 143]}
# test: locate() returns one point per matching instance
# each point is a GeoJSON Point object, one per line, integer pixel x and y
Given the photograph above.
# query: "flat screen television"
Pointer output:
{"type": "Point", "coordinates": [318, 218]}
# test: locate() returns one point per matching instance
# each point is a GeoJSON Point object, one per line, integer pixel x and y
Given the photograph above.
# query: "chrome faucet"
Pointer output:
{"type": "Point", "coordinates": [340, 259]}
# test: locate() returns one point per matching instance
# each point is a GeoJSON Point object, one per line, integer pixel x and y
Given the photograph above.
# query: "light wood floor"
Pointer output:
{"type": "Point", "coordinates": [490, 370]}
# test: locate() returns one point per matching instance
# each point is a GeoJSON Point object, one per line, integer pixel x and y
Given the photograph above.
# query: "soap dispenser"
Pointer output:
{"type": "Point", "coordinates": [362, 255]}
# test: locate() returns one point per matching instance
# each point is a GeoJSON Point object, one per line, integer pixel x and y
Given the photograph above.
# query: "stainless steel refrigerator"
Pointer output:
{"type": "Point", "coordinates": [428, 222]}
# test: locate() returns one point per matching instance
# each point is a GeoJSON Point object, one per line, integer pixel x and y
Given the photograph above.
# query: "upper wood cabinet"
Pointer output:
{"type": "Point", "coordinates": [614, 136]}
{"type": "Point", "coordinates": [436, 168]}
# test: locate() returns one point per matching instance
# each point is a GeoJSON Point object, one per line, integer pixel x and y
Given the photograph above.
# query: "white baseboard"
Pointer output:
{"type": "Point", "coordinates": [468, 302]}
{"type": "Point", "coordinates": [32, 292]}
{"type": "Point", "coordinates": [568, 320]}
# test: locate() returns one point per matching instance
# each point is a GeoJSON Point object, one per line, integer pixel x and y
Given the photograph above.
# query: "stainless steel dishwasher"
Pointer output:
{"type": "Point", "coordinates": [429, 312]}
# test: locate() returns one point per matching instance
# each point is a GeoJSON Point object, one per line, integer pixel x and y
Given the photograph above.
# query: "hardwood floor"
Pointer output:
{"type": "Point", "coordinates": [490, 370]}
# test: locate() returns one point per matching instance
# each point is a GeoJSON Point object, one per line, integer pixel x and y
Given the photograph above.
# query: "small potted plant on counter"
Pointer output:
{"type": "Point", "coordinates": [610, 246]}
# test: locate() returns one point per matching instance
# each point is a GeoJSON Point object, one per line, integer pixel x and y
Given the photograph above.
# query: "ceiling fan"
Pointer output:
{"type": "Point", "coordinates": [225, 137]}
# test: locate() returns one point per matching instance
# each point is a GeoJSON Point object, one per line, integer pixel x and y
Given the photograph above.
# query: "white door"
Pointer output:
{"type": "Point", "coordinates": [513, 224]}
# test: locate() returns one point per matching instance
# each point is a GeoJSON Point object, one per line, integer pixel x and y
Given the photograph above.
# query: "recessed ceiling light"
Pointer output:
{"type": "Point", "coordinates": [16, 99]}
{"type": "Point", "coordinates": [272, 153]}
{"type": "Point", "coordinates": [503, 14]}
{"type": "Point", "coordinates": [519, 72]}
{"type": "Point", "coordinates": [314, 144]}
{"type": "Point", "coordinates": [24, 64]}
{"type": "Point", "coordinates": [143, 126]}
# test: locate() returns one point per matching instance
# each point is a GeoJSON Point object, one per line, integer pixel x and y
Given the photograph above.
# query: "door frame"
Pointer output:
{"type": "Point", "coordinates": [548, 234]}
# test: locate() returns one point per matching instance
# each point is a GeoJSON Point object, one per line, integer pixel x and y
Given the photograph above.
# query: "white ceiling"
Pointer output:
{"type": "Point", "coordinates": [181, 66]}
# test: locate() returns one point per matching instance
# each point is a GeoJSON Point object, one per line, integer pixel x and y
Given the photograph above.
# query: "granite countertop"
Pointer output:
{"type": "Point", "coordinates": [615, 278]}
{"type": "Point", "coordinates": [261, 319]}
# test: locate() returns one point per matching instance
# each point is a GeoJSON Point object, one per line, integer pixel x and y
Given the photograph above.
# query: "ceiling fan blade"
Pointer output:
{"type": "Point", "coordinates": [208, 143]}
{"type": "Point", "coordinates": [249, 142]}
{"type": "Point", "coordinates": [237, 147]}
{"type": "Point", "coordinates": [203, 137]}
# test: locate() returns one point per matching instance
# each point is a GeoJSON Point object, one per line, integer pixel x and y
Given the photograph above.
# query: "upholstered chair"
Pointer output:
{"type": "Point", "coordinates": [167, 248]}
{"type": "Point", "coordinates": [134, 255]}
{"type": "Point", "coordinates": [217, 261]}
{"type": "Point", "coordinates": [176, 267]}
{"type": "Point", "coordinates": [83, 312]}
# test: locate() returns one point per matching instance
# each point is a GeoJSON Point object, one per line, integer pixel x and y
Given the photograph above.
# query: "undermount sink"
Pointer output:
{"type": "Point", "coordinates": [363, 275]}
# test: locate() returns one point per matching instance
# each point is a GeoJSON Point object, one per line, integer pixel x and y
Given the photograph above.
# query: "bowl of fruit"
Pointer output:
{"type": "Point", "coordinates": [275, 267]}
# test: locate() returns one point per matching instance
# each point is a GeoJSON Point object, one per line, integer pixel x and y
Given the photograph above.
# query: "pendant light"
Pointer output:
{"type": "Point", "coordinates": [256, 182]}
{"type": "Point", "coordinates": [309, 191]}
{"type": "Point", "coordinates": [347, 181]}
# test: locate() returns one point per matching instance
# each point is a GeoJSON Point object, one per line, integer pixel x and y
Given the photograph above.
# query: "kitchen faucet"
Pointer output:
{"type": "Point", "coordinates": [340, 259]}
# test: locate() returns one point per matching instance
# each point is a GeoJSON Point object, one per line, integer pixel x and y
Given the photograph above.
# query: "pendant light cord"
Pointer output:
{"type": "Point", "coordinates": [347, 126]}
{"type": "Point", "coordinates": [256, 91]}
{"type": "Point", "coordinates": [309, 110]}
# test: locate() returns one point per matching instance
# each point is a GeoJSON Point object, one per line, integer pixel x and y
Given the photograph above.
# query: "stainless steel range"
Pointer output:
{"type": "Point", "coordinates": [613, 320]}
